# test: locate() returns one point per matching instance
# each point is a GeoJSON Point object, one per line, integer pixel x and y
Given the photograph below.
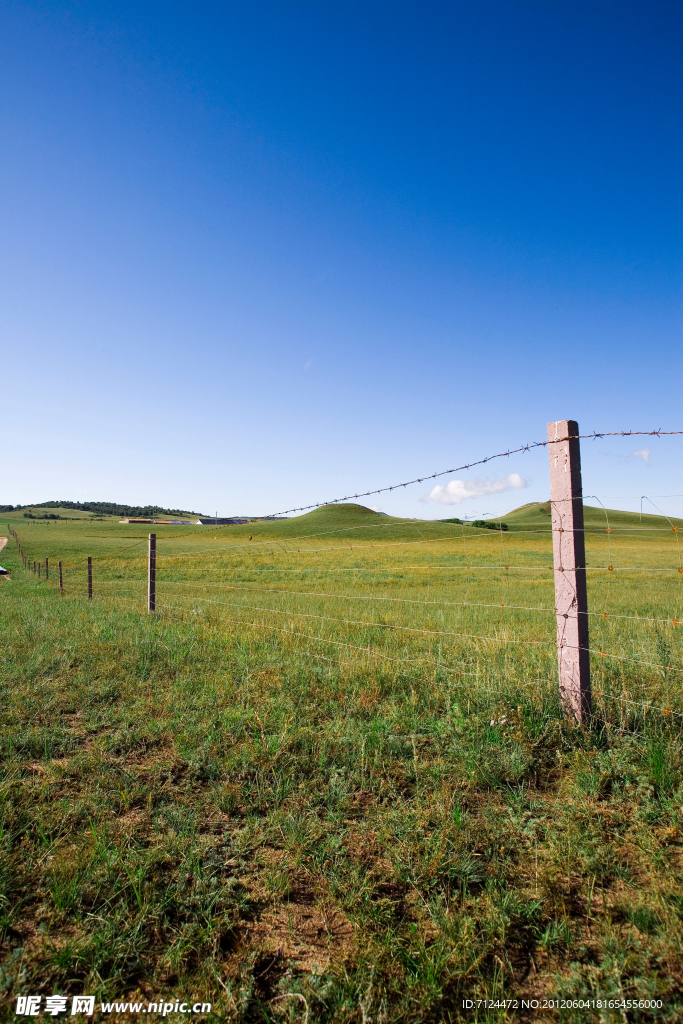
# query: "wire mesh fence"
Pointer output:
{"type": "Point", "coordinates": [465, 604]}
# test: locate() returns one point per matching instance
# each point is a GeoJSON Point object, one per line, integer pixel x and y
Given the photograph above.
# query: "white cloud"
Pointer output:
{"type": "Point", "coordinates": [458, 491]}
{"type": "Point", "coordinates": [308, 364]}
{"type": "Point", "coordinates": [643, 454]}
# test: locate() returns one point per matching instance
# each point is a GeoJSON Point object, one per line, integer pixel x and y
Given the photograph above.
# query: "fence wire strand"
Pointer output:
{"type": "Point", "coordinates": [113, 582]}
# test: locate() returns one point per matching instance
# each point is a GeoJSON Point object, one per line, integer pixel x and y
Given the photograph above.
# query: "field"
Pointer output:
{"type": "Point", "coordinates": [330, 779]}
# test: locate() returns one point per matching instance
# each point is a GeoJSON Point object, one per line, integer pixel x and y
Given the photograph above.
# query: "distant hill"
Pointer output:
{"type": "Point", "coordinates": [345, 520]}
{"type": "Point", "coordinates": [536, 516]}
{"type": "Point", "coordinates": [362, 521]}
{"type": "Point", "coordinates": [348, 519]}
{"type": "Point", "coordinates": [105, 508]}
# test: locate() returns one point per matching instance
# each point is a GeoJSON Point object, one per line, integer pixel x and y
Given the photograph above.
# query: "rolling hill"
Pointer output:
{"type": "Point", "coordinates": [536, 516]}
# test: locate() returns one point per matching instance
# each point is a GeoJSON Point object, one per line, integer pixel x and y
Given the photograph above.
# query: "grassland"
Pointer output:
{"type": "Point", "coordinates": [330, 779]}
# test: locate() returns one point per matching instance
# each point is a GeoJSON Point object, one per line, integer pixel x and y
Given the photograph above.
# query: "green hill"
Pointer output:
{"type": "Point", "coordinates": [345, 520]}
{"type": "Point", "coordinates": [536, 516]}
{"type": "Point", "coordinates": [102, 508]}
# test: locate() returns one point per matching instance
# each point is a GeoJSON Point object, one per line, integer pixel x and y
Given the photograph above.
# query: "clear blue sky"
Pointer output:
{"type": "Point", "coordinates": [256, 255]}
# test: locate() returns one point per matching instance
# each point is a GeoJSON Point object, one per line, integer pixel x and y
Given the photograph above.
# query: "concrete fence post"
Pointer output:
{"type": "Point", "coordinates": [152, 573]}
{"type": "Point", "coordinates": [569, 561]}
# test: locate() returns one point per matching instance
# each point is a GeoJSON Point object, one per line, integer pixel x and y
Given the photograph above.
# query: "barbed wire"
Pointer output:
{"type": "Point", "coordinates": [128, 584]}
{"type": "Point", "coordinates": [483, 533]}
{"type": "Point", "coordinates": [671, 620]}
{"type": "Point", "coordinates": [648, 707]}
{"type": "Point", "coordinates": [480, 462]}
{"type": "Point", "coordinates": [378, 625]}
{"type": "Point", "coordinates": [369, 651]}
{"type": "Point", "coordinates": [124, 591]}
{"type": "Point", "coordinates": [375, 653]}
{"type": "Point", "coordinates": [393, 626]}
{"type": "Point", "coordinates": [426, 567]}
{"type": "Point", "coordinates": [411, 629]}
{"type": "Point", "coordinates": [620, 657]}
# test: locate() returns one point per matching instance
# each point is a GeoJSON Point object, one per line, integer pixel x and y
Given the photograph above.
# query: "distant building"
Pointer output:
{"type": "Point", "coordinates": [220, 522]}
{"type": "Point", "coordinates": [160, 522]}
{"type": "Point", "coordinates": [203, 521]}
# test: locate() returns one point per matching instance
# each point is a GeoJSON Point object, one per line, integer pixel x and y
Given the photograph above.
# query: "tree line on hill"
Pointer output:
{"type": "Point", "coordinates": [482, 524]}
{"type": "Point", "coordinates": [101, 508]}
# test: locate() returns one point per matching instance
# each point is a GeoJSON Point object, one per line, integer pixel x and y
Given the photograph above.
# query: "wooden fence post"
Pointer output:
{"type": "Point", "coordinates": [89, 578]}
{"type": "Point", "coordinates": [61, 585]}
{"type": "Point", "coordinates": [38, 570]}
{"type": "Point", "coordinates": [569, 560]}
{"type": "Point", "coordinates": [152, 573]}
{"type": "Point", "coordinates": [47, 568]}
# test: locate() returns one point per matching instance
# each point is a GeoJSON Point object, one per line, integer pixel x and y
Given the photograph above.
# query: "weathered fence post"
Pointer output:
{"type": "Point", "coordinates": [47, 568]}
{"type": "Point", "coordinates": [569, 560]}
{"type": "Point", "coordinates": [61, 584]}
{"type": "Point", "coordinates": [152, 573]}
{"type": "Point", "coordinates": [89, 578]}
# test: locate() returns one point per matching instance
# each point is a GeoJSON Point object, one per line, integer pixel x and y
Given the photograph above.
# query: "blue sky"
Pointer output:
{"type": "Point", "coordinates": [256, 255]}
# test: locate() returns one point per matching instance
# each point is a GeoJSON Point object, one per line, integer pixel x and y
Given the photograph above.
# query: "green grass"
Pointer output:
{"type": "Point", "coordinates": [331, 773]}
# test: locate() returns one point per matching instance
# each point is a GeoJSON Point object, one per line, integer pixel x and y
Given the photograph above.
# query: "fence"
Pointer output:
{"type": "Point", "coordinates": [457, 600]}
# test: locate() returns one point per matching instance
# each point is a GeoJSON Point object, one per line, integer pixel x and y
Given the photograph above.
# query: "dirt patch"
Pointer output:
{"type": "Point", "coordinates": [307, 935]}
{"type": "Point", "coordinates": [363, 846]}
{"type": "Point", "coordinates": [305, 930]}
